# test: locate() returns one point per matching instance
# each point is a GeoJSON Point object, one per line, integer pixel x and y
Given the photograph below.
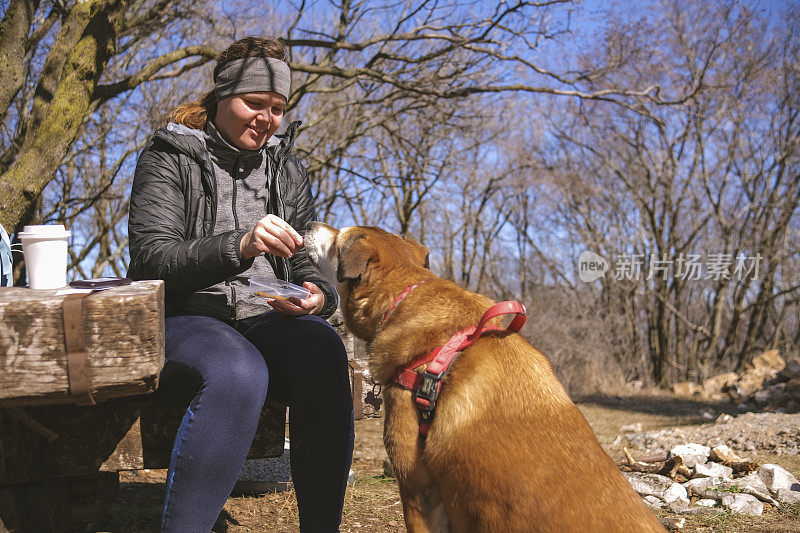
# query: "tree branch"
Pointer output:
{"type": "Point", "coordinates": [103, 93]}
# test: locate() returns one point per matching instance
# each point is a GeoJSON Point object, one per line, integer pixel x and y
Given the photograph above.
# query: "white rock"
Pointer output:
{"type": "Point", "coordinates": [654, 502]}
{"type": "Point", "coordinates": [680, 505]}
{"type": "Point", "coordinates": [713, 488]}
{"type": "Point", "coordinates": [701, 484]}
{"type": "Point", "coordinates": [752, 485]}
{"type": "Point", "coordinates": [743, 504]}
{"type": "Point", "coordinates": [711, 469]}
{"type": "Point", "coordinates": [787, 497]}
{"type": "Point", "coordinates": [656, 485]}
{"type": "Point", "coordinates": [723, 418]}
{"type": "Point", "coordinates": [676, 493]}
{"type": "Point", "coordinates": [724, 454]}
{"type": "Point", "coordinates": [751, 481]}
{"type": "Point", "coordinates": [705, 502]}
{"type": "Point", "coordinates": [648, 484]}
{"type": "Point", "coordinates": [776, 477]}
{"type": "Point", "coordinates": [692, 454]}
{"type": "Point", "coordinates": [631, 428]}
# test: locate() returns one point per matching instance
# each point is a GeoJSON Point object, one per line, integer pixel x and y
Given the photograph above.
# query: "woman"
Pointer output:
{"type": "Point", "coordinates": [217, 199]}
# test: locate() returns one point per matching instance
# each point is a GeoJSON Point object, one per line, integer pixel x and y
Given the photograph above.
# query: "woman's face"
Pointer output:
{"type": "Point", "coordinates": [248, 120]}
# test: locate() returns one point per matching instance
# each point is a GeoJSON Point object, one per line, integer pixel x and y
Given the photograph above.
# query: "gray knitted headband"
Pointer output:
{"type": "Point", "coordinates": [253, 74]}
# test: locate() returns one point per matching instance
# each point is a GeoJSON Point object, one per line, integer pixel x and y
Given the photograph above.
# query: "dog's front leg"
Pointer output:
{"type": "Point", "coordinates": [423, 509]}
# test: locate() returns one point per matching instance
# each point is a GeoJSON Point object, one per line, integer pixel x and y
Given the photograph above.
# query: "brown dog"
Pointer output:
{"type": "Point", "coordinates": [507, 450]}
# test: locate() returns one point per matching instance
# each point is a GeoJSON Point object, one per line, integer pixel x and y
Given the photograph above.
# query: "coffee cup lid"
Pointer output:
{"type": "Point", "coordinates": [47, 231]}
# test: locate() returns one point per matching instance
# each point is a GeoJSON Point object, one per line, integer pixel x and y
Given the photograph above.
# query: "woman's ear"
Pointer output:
{"type": "Point", "coordinates": [353, 260]}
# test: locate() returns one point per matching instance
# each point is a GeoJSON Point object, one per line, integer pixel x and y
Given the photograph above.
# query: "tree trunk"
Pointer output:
{"type": "Point", "coordinates": [13, 47]}
{"type": "Point", "coordinates": [46, 147]}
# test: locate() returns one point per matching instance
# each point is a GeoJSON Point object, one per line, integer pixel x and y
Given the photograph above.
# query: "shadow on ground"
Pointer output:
{"type": "Point", "coordinates": [136, 509]}
{"type": "Point", "coordinates": [661, 404]}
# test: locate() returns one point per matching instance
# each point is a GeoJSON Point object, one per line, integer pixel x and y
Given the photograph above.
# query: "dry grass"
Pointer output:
{"type": "Point", "coordinates": [773, 521]}
{"type": "Point", "coordinates": [372, 504]}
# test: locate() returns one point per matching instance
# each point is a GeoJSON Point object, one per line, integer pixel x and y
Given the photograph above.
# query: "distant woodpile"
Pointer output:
{"type": "Point", "coordinates": [770, 383]}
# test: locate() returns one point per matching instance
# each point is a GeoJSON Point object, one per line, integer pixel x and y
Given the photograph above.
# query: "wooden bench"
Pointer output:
{"type": "Point", "coordinates": [59, 462]}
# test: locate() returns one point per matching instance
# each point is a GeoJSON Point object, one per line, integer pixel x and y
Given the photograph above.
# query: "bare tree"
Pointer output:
{"type": "Point", "coordinates": [676, 136]}
{"type": "Point", "coordinates": [54, 75]}
{"type": "Point", "coordinates": [695, 205]}
{"type": "Point", "coordinates": [358, 66]}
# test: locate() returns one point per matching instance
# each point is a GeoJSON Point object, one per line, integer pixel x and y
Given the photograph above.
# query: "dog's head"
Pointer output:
{"type": "Point", "coordinates": [355, 259]}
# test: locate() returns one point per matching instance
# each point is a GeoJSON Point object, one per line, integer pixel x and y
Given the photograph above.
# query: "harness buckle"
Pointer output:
{"type": "Point", "coordinates": [428, 392]}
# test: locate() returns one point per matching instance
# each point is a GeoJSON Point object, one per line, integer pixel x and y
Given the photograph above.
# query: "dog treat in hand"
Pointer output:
{"type": "Point", "coordinates": [277, 289]}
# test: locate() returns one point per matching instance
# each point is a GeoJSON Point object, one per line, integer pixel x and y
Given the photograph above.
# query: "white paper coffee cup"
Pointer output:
{"type": "Point", "coordinates": [45, 250]}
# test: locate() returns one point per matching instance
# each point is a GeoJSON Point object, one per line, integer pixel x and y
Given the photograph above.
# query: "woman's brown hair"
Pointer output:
{"type": "Point", "coordinates": [195, 114]}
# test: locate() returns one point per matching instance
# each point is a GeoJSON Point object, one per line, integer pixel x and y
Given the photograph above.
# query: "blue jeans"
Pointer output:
{"type": "Point", "coordinates": [299, 361]}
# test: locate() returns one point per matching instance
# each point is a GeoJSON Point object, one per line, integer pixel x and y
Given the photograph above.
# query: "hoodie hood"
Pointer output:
{"type": "Point", "coordinates": [193, 142]}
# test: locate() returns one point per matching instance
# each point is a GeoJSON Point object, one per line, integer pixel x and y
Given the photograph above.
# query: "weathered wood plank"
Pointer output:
{"type": "Point", "coordinates": [44, 442]}
{"type": "Point", "coordinates": [124, 332]}
{"type": "Point", "coordinates": [148, 443]}
{"type": "Point", "coordinates": [76, 442]}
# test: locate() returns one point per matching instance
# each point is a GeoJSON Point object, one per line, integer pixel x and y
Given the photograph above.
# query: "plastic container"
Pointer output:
{"type": "Point", "coordinates": [45, 249]}
{"type": "Point", "coordinates": [277, 289]}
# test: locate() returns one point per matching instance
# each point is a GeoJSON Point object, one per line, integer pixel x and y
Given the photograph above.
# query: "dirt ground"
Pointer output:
{"type": "Point", "coordinates": [372, 503]}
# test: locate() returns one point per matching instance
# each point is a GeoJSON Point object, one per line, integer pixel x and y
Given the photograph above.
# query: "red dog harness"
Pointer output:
{"type": "Point", "coordinates": [428, 384]}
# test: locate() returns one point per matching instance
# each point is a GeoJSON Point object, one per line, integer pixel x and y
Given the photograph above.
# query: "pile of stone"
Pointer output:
{"type": "Point", "coordinates": [770, 383]}
{"type": "Point", "coordinates": [694, 478]}
{"type": "Point", "coordinates": [770, 433]}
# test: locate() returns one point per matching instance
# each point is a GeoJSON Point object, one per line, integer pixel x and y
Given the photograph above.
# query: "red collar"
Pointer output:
{"type": "Point", "coordinates": [427, 385]}
{"type": "Point", "coordinates": [400, 299]}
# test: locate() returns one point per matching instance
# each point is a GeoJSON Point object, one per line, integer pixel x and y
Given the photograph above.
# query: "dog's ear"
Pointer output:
{"type": "Point", "coordinates": [353, 259]}
{"type": "Point", "coordinates": [421, 253]}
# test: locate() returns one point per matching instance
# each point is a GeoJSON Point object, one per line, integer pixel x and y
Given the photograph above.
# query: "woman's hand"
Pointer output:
{"type": "Point", "coordinates": [272, 235]}
{"type": "Point", "coordinates": [297, 307]}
